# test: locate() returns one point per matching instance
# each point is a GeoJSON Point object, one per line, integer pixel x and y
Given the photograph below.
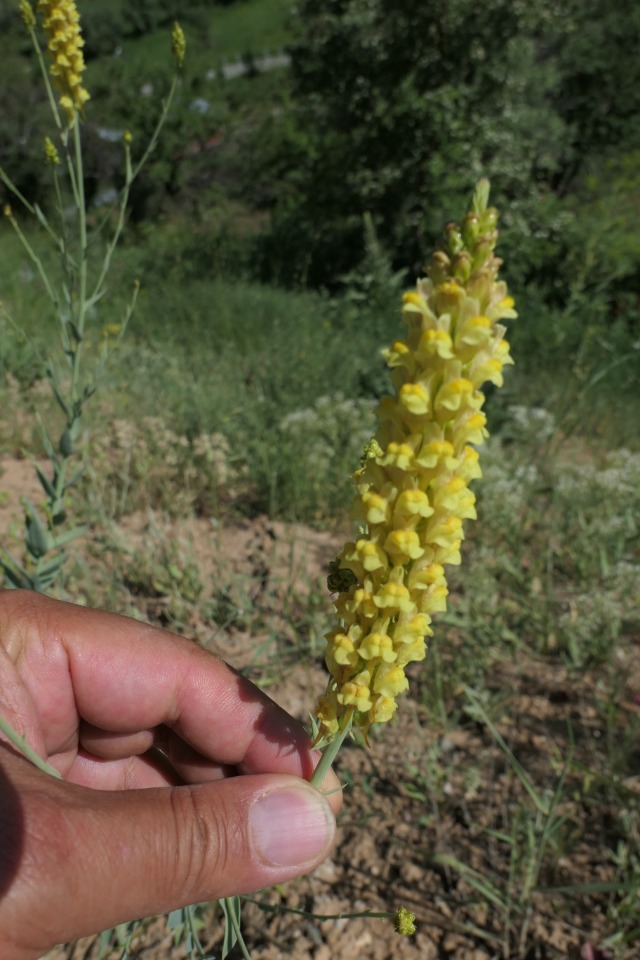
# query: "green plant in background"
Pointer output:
{"type": "Point", "coordinates": [77, 289]}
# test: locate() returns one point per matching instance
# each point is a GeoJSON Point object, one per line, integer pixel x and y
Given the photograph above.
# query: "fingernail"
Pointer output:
{"type": "Point", "coordinates": [291, 827]}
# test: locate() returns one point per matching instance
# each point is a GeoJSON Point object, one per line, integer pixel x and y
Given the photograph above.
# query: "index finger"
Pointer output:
{"type": "Point", "coordinates": [123, 676]}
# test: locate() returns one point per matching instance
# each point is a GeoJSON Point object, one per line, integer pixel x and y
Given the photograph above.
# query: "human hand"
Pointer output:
{"type": "Point", "coordinates": [182, 781]}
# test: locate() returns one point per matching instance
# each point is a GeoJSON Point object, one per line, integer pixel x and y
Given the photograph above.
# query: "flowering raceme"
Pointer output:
{"type": "Point", "coordinates": [61, 24]}
{"type": "Point", "coordinates": [413, 484]}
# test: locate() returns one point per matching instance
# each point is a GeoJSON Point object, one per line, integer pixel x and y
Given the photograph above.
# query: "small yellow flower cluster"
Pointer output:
{"type": "Point", "coordinates": [27, 14]}
{"type": "Point", "coordinates": [51, 154]}
{"type": "Point", "coordinates": [178, 43]}
{"type": "Point", "coordinates": [412, 488]}
{"type": "Point", "coordinates": [404, 922]}
{"type": "Point", "coordinates": [61, 23]}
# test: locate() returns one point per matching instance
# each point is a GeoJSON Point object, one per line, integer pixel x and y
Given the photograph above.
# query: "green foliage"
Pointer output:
{"type": "Point", "coordinates": [403, 105]}
{"type": "Point", "coordinates": [399, 106]}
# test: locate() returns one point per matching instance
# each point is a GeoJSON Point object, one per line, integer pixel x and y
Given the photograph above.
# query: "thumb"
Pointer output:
{"type": "Point", "coordinates": [76, 861]}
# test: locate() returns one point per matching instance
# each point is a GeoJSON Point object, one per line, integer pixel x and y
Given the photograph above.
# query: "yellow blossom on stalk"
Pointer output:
{"type": "Point", "coordinates": [413, 485]}
{"type": "Point", "coordinates": [61, 24]}
{"type": "Point", "coordinates": [51, 154]}
{"type": "Point", "coordinates": [178, 43]}
{"type": "Point", "coordinates": [27, 14]}
{"type": "Point", "coordinates": [404, 922]}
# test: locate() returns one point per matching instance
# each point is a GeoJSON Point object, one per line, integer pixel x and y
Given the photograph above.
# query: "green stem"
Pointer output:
{"type": "Point", "coordinates": [166, 106]}
{"type": "Point", "coordinates": [82, 228]}
{"type": "Point", "coordinates": [232, 904]}
{"type": "Point", "coordinates": [10, 185]}
{"type": "Point", "coordinates": [329, 754]}
{"type": "Point", "coordinates": [279, 908]}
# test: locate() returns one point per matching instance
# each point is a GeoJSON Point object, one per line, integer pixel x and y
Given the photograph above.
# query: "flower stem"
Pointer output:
{"type": "Point", "coordinates": [329, 754]}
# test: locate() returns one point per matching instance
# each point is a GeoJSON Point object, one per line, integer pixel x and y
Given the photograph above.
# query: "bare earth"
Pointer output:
{"type": "Point", "coordinates": [424, 791]}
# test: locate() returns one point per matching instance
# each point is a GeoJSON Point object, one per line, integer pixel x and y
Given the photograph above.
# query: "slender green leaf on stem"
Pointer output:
{"type": "Point", "coordinates": [35, 259]}
{"type": "Point", "coordinates": [69, 535]}
{"type": "Point", "coordinates": [473, 878]}
{"type": "Point", "coordinates": [479, 711]}
{"type": "Point", "coordinates": [21, 744]}
{"type": "Point", "coordinates": [166, 106]}
{"type": "Point", "coordinates": [579, 889]}
{"type": "Point", "coordinates": [10, 185]}
{"type": "Point", "coordinates": [231, 909]}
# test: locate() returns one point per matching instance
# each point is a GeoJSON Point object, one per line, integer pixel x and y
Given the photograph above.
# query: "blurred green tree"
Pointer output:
{"type": "Point", "coordinates": [401, 106]}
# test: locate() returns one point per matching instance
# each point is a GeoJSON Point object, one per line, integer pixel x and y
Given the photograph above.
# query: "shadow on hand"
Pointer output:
{"type": "Point", "coordinates": [11, 829]}
{"type": "Point", "coordinates": [277, 726]}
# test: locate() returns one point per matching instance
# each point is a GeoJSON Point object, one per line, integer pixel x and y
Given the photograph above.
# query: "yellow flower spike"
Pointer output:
{"type": "Point", "coordinates": [27, 14]}
{"type": "Point", "coordinates": [178, 43]}
{"type": "Point", "coordinates": [61, 24]}
{"type": "Point", "coordinates": [412, 494]}
{"type": "Point", "coordinates": [51, 154]}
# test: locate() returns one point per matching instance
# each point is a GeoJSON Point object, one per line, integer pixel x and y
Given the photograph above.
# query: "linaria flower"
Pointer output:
{"type": "Point", "coordinates": [413, 491]}
{"type": "Point", "coordinates": [61, 24]}
{"type": "Point", "coordinates": [178, 43]}
{"type": "Point", "coordinates": [51, 154]}
{"type": "Point", "coordinates": [27, 14]}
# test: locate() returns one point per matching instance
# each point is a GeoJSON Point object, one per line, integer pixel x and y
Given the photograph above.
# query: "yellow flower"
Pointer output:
{"type": "Point", "coordinates": [413, 483]}
{"type": "Point", "coordinates": [178, 43]}
{"type": "Point", "coordinates": [27, 14]}
{"type": "Point", "coordinates": [61, 24]}
{"type": "Point", "coordinates": [404, 922]}
{"type": "Point", "coordinates": [51, 154]}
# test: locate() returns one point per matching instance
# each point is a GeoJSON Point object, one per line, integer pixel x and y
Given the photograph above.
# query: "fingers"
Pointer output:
{"type": "Point", "coordinates": [123, 677]}
{"type": "Point", "coordinates": [138, 853]}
